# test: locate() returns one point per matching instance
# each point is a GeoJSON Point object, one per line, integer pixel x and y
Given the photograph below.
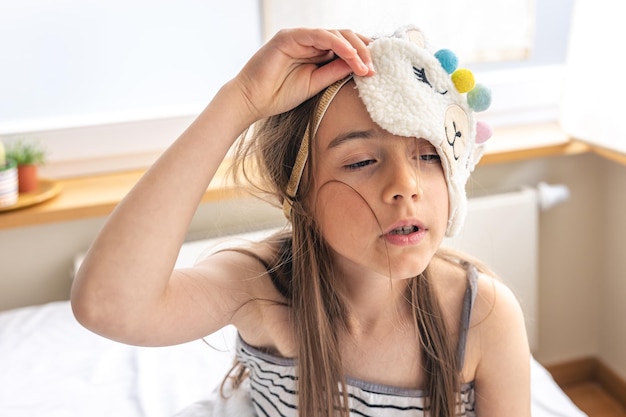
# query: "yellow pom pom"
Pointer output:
{"type": "Point", "coordinates": [463, 80]}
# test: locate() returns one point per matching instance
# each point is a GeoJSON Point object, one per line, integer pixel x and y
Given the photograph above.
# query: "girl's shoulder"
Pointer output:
{"type": "Point", "coordinates": [491, 297]}
{"type": "Point", "coordinates": [245, 270]}
{"type": "Point", "coordinates": [495, 313]}
{"type": "Point", "coordinates": [495, 303]}
{"type": "Point", "coordinates": [496, 329]}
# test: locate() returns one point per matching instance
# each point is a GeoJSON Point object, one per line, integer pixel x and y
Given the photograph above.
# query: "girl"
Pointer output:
{"type": "Point", "coordinates": [354, 309]}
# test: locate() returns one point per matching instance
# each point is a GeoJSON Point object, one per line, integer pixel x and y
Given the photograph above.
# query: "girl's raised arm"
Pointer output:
{"type": "Point", "coordinates": [126, 288]}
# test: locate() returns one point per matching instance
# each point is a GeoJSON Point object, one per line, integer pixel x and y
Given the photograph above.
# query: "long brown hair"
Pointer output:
{"type": "Point", "coordinates": [317, 307]}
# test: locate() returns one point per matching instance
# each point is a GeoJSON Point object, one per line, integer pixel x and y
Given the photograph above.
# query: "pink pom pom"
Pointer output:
{"type": "Point", "coordinates": [483, 132]}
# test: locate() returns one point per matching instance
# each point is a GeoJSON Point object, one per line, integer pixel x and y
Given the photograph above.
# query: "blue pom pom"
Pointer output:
{"type": "Point", "coordinates": [447, 59]}
{"type": "Point", "coordinates": [479, 98]}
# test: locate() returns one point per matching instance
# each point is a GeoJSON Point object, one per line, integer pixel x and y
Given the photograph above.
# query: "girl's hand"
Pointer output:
{"type": "Point", "coordinates": [296, 64]}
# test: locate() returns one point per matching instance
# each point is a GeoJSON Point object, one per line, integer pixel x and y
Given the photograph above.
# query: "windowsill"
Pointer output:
{"type": "Point", "coordinates": [96, 196]}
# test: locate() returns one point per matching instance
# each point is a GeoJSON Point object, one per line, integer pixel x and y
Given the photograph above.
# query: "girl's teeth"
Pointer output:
{"type": "Point", "coordinates": [405, 230]}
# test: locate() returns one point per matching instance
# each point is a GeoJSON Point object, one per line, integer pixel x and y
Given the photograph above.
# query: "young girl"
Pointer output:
{"type": "Point", "coordinates": [354, 309]}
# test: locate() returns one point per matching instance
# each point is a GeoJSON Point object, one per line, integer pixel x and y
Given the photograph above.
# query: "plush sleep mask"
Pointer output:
{"type": "Point", "coordinates": [415, 93]}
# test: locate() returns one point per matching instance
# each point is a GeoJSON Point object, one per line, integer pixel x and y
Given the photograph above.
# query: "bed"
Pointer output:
{"type": "Point", "coordinates": [51, 366]}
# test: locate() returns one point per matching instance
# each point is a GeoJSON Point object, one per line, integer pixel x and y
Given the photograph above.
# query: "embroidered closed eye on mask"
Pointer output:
{"type": "Point", "coordinates": [417, 93]}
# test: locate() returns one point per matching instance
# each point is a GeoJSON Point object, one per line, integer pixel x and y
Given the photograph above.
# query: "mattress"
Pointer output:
{"type": "Point", "coordinates": [51, 366]}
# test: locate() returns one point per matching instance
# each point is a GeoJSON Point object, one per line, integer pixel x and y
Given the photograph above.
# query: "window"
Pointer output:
{"type": "Point", "coordinates": [477, 21]}
{"type": "Point", "coordinates": [108, 85]}
{"type": "Point", "coordinates": [593, 100]}
{"type": "Point", "coordinates": [99, 80]}
{"type": "Point", "coordinates": [515, 47]}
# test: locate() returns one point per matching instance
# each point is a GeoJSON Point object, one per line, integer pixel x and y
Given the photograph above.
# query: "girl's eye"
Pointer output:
{"type": "Point", "coordinates": [430, 158]}
{"type": "Point", "coordinates": [360, 164]}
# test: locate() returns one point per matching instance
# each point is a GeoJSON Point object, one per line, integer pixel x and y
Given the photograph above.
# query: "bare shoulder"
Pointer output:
{"type": "Point", "coordinates": [495, 305]}
{"type": "Point", "coordinates": [498, 350]}
{"type": "Point", "coordinates": [450, 284]}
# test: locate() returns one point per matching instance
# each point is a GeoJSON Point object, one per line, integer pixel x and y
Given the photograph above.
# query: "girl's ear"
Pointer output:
{"type": "Point", "coordinates": [416, 36]}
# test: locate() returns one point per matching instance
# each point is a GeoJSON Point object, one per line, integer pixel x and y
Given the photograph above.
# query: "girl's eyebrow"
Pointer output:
{"type": "Point", "coordinates": [354, 134]}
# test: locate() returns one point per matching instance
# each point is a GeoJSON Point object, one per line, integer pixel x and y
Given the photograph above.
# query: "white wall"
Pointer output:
{"type": "Point", "coordinates": [37, 261]}
{"type": "Point", "coordinates": [582, 262]}
{"type": "Point", "coordinates": [568, 262]}
{"type": "Point", "coordinates": [613, 269]}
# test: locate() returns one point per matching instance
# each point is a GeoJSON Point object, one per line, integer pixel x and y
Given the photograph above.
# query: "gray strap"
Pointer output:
{"type": "Point", "coordinates": [466, 313]}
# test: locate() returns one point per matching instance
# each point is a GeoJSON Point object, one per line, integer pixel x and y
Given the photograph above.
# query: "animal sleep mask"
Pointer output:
{"type": "Point", "coordinates": [415, 93]}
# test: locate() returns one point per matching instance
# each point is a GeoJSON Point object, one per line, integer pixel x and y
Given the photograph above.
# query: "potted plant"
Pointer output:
{"type": "Point", "coordinates": [8, 179]}
{"type": "Point", "coordinates": [28, 156]}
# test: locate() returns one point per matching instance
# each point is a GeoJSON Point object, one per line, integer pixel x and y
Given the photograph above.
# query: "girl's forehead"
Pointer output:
{"type": "Point", "coordinates": [345, 113]}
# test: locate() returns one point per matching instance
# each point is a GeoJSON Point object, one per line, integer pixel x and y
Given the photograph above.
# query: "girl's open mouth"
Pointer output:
{"type": "Point", "coordinates": [410, 234]}
{"type": "Point", "coordinates": [404, 230]}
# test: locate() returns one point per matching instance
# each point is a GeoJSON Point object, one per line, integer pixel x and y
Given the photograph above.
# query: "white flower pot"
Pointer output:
{"type": "Point", "coordinates": [8, 184]}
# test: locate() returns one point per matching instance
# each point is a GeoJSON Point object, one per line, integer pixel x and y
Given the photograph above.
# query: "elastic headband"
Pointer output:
{"type": "Point", "coordinates": [303, 153]}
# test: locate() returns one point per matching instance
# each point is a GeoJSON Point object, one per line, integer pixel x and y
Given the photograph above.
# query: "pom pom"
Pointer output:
{"type": "Point", "coordinates": [483, 132]}
{"type": "Point", "coordinates": [447, 59]}
{"type": "Point", "coordinates": [479, 98]}
{"type": "Point", "coordinates": [463, 80]}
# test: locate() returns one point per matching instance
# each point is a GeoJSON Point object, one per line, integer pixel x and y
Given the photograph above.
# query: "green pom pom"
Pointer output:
{"type": "Point", "coordinates": [479, 98]}
{"type": "Point", "coordinates": [463, 80]}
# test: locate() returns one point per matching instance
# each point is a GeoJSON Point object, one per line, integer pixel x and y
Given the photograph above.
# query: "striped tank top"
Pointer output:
{"type": "Point", "coordinates": [273, 381]}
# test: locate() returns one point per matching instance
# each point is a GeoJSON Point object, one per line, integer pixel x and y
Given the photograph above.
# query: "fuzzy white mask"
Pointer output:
{"type": "Point", "coordinates": [415, 93]}
{"type": "Point", "coordinates": [411, 94]}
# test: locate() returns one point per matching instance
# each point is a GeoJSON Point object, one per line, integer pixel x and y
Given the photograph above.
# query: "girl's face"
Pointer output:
{"type": "Point", "coordinates": [381, 200]}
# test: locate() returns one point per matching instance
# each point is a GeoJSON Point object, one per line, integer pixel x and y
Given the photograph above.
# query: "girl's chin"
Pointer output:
{"type": "Point", "coordinates": [400, 272]}
{"type": "Point", "coordinates": [403, 275]}
{"type": "Point", "coordinates": [406, 266]}
{"type": "Point", "coordinates": [397, 266]}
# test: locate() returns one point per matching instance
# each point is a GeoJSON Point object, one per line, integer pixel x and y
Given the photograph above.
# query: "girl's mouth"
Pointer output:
{"type": "Point", "coordinates": [405, 235]}
{"type": "Point", "coordinates": [404, 230]}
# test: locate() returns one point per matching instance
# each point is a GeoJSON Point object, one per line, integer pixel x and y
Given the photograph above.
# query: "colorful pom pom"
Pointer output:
{"type": "Point", "coordinates": [447, 59]}
{"type": "Point", "coordinates": [479, 98]}
{"type": "Point", "coordinates": [463, 80]}
{"type": "Point", "coordinates": [483, 132]}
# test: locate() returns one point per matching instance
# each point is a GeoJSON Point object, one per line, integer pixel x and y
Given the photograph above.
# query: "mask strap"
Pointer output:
{"type": "Point", "coordinates": [303, 152]}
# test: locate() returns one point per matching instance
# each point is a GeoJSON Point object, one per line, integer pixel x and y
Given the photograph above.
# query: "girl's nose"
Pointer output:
{"type": "Point", "coordinates": [402, 182]}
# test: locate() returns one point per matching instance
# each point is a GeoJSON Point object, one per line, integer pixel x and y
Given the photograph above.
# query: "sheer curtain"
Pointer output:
{"type": "Point", "coordinates": [477, 30]}
{"type": "Point", "coordinates": [593, 106]}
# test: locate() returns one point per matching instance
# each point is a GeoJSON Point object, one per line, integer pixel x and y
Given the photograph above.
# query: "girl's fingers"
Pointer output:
{"type": "Point", "coordinates": [297, 64]}
{"type": "Point", "coordinates": [361, 63]}
{"type": "Point", "coordinates": [328, 74]}
{"type": "Point", "coordinates": [351, 56]}
{"type": "Point", "coordinates": [345, 44]}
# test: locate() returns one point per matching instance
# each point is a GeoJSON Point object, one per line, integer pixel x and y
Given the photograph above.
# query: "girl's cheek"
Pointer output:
{"type": "Point", "coordinates": [338, 205]}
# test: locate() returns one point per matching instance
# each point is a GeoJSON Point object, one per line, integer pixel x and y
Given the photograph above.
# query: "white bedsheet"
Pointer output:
{"type": "Point", "coordinates": [51, 366]}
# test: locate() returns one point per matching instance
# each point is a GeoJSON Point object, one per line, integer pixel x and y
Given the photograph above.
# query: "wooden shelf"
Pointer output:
{"type": "Point", "coordinates": [96, 196]}
{"type": "Point", "coordinates": [540, 140]}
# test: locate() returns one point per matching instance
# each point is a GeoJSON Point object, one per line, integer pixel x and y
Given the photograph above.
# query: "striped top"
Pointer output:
{"type": "Point", "coordinates": [273, 381]}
